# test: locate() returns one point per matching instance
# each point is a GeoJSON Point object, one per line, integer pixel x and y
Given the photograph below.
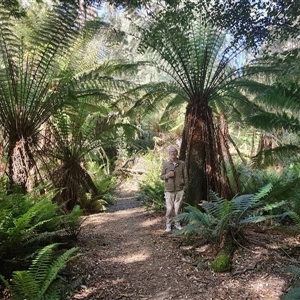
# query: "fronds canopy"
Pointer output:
{"type": "Point", "coordinates": [195, 55]}
{"type": "Point", "coordinates": [30, 84]}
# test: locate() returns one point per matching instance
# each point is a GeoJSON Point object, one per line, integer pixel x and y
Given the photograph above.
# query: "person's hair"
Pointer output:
{"type": "Point", "coordinates": [173, 147]}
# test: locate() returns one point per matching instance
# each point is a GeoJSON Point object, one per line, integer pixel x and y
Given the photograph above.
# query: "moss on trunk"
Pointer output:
{"type": "Point", "coordinates": [223, 260]}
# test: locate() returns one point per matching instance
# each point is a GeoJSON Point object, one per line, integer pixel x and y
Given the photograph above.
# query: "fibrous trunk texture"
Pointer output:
{"type": "Point", "coordinates": [203, 151]}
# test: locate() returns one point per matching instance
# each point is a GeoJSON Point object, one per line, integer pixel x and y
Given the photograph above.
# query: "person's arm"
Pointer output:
{"type": "Point", "coordinates": [163, 175]}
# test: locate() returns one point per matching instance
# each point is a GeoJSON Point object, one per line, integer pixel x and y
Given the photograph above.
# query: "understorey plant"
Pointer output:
{"type": "Point", "coordinates": [223, 221]}
{"type": "Point", "coordinates": [28, 224]}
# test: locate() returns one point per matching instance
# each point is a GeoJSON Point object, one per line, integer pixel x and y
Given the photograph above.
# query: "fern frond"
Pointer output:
{"type": "Point", "coordinates": [253, 219]}
{"type": "Point", "coordinates": [39, 281]}
{"type": "Point", "coordinates": [280, 154]}
{"type": "Point", "coordinates": [24, 286]}
{"type": "Point", "coordinates": [56, 266]}
{"type": "Point", "coordinates": [262, 192]}
{"type": "Point", "coordinates": [224, 217]}
{"type": "Point", "coordinates": [213, 206]}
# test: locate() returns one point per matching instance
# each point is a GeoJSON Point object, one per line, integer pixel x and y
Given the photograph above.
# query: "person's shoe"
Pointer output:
{"type": "Point", "coordinates": [178, 226]}
{"type": "Point", "coordinates": [168, 228]}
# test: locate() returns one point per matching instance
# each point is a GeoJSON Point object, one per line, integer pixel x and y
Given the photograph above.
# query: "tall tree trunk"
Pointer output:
{"type": "Point", "coordinates": [202, 151]}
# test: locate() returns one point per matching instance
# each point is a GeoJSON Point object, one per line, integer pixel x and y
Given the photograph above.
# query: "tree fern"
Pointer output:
{"type": "Point", "coordinates": [221, 216]}
{"type": "Point", "coordinates": [42, 73]}
{"type": "Point", "coordinates": [200, 66]}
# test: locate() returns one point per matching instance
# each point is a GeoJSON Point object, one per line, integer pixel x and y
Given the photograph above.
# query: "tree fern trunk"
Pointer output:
{"type": "Point", "coordinates": [20, 165]}
{"type": "Point", "coordinates": [202, 152]}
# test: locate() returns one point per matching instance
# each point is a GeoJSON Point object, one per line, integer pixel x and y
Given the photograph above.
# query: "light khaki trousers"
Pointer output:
{"type": "Point", "coordinates": [173, 204]}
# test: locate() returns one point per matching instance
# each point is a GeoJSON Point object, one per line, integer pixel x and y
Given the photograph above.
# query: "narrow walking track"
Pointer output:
{"type": "Point", "coordinates": [127, 255]}
{"type": "Point", "coordinates": [131, 257]}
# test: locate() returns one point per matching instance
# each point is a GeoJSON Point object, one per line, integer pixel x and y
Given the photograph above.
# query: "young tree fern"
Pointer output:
{"type": "Point", "coordinates": [222, 216]}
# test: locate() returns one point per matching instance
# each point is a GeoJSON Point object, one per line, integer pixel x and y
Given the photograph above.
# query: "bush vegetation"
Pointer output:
{"type": "Point", "coordinates": [36, 241]}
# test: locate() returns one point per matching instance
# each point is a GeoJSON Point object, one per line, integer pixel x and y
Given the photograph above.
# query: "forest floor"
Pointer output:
{"type": "Point", "coordinates": [126, 254]}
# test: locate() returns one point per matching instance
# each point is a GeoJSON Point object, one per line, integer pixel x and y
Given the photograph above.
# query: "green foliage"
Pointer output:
{"type": "Point", "coordinates": [104, 184]}
{"type": "Point", "coordinates": [286, 184]}
{"type": "Point", "coordinates": [41, 280]}
{"type": "Point", "coordinates": [49, 66]}
{"type": "Point", "coordinates": [294, 216]}
{"type": "Point", "coordinates": [198, 222]}
{"type": "Point", "coordinates": [92, 204]}
{"type": "Point", "coordinates": [29, 222]}
{"type": "Point", "coordinates": [152, 195]}
{"type": "Point", "coordinates": [71, 222]}
{"type": "Point", "coordinates": [220, 216]}
{"type": "Point", "coordinates": [103, 181]}
{"type": "Point", "coordinates": [259, 28]}
{"type": "Point", "coordinates": [151, 191]}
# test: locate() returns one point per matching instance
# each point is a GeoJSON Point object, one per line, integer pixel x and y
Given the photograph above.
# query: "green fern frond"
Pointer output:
{"type": "Point", "coordinates": [38, 282]}
{"type": "Point", "coordinates": [280, 154]}
{"type": "Point", "coordinates": [253, 219]}
{"type": "Point", "coordinates": [194, 229]}
{"type": "Point", "coordinates": [56, 266]}
{"type": "Point", "coordinates": [44, 236]}
{"type": "Point", "coordinates": [193, 215]}
{"type": "Point", "coordinates": [198, 222]}
{"type": "Point", "coordinates": [222, 216]}
{"type": "Point", "coordinates": [271, 206]}
{"type": "Point", "coordinates": [270, 121]}
{"type": "Point", "coordinates": [213, 206]}
{"type": "Point", "coordinates": [262, 192]}
{"type": "Point", "coordinates": [242, 202]}
{"type": "Point", "coordinates": [24, 286]}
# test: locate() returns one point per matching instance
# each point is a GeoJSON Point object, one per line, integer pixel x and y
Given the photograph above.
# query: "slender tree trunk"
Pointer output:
{"type": "Point", "coordinates": [265, 143]}
{"type": "Point", "coordinates": [228, 161]}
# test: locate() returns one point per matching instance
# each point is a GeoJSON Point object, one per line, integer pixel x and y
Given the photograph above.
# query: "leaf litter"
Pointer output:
{"type": "Point", "coordinates": [126, 254]}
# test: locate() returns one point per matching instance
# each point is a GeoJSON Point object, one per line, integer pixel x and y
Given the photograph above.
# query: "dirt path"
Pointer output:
{"type": "Point", "coordinates": [127, 255]}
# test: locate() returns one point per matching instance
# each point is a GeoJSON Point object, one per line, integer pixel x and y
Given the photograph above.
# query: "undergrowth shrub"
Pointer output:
{"type": "Point", "coordinates": [286, 185]}
{"type": "Point", "coordinates": [220, 216]}
{"type": "Point", "coordinates": [151, 187]}
{"type": "Point", "coordinates": [41, 280]}
{"type": "Point", "coordinates": [152, 195]}
{"type": "Point", "coordinates": [104, 184]}
{"type": "Point", "coordinates": [29, 223]}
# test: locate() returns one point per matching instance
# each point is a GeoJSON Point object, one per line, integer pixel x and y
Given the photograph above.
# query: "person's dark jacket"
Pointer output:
{"type": "Point", "coordinates": [179, 181]}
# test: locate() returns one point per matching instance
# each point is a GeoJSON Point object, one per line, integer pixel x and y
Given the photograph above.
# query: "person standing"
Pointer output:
{"type": "Point", "coordinates": [174, 174]}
